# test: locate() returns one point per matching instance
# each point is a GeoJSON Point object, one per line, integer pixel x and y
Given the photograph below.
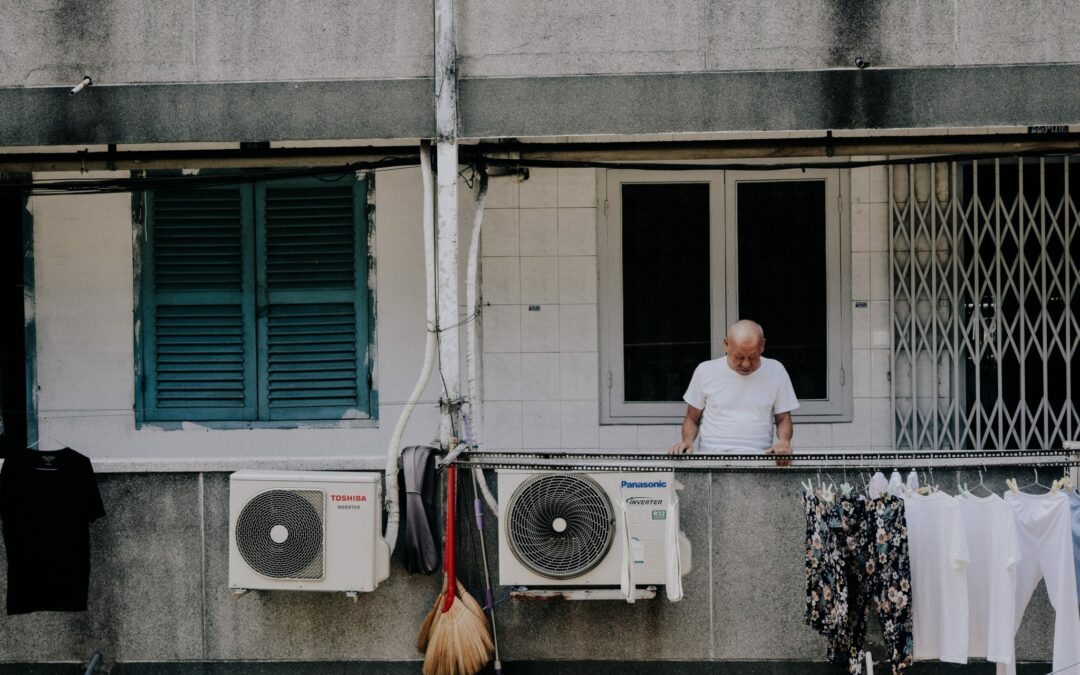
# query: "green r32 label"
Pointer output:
{"type": "Point", "coordinates": [659, 514]}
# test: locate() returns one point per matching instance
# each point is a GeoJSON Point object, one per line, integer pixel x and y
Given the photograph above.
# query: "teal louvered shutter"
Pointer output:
{"type": "Point", "coordinates": [198, 310]}
{"type": "Point", "coordinates": [312, 273]}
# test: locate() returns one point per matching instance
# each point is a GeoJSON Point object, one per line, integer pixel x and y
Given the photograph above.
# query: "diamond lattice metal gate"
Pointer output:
{"type": "Point", "coordinates": [986, 299]}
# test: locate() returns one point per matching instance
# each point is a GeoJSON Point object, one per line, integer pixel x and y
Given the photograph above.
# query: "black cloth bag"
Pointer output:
{"type": "Point", "coordinates": [422, 546]}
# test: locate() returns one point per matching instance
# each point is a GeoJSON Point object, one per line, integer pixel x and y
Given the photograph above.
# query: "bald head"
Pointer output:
{"type": "Point", "coordinates": [745, 341]}
{"type": "Point", "coordinates": [746, 331]}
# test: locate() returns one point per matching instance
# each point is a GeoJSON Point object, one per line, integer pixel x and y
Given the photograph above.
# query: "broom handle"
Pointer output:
{"type": "Point", "coordinates": [451, 515]}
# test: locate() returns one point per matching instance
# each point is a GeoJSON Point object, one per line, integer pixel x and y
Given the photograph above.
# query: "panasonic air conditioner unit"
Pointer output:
{"type": "Point", "coordinates": [566, 529]}
{"type": "Point", "coordinates": [306, 531]}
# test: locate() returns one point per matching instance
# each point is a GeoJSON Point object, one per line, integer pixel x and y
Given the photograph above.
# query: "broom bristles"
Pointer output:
{"type": "Point", "coordinates": [473, 606]}
{"type": "Point", "coordinates": [459, 644]}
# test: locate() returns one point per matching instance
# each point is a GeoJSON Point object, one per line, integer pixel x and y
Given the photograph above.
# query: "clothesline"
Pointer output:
{"type": "Point", "coordinates": [810, 461]}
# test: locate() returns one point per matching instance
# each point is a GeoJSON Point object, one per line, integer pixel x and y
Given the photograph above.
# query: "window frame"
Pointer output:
{"type": "Point", "coordinates": [723, 260]}
{"type": "Point", "coordinates": [253, 266]}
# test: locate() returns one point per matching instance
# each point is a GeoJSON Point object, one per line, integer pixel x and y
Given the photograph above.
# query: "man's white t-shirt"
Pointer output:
{"type": "Point", "coordinates": [739, 409]}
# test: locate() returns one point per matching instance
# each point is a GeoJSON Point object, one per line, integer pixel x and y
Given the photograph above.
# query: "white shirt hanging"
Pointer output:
{"type": "Point", "coordinates": [994, 550]}
{"type": "Point", "coordinates": [939, 593]}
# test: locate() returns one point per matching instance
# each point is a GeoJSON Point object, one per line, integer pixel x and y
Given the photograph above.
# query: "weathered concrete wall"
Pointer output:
{"type": "Point", "coordinates": [47, 42]}
{"type": "Point", "coordinates": [159, 591]}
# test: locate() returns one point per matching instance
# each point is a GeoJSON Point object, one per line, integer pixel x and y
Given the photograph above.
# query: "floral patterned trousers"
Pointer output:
{"type": "Point", "coordinates": [857, 562]}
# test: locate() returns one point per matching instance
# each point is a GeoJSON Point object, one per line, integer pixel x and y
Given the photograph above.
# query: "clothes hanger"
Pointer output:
{"type": "Point", "coordinates": [1036, 482]}
{"type": "Point", "coordinates": [846, 488]}
{"type": "Point", "coordinates": [982, 485]}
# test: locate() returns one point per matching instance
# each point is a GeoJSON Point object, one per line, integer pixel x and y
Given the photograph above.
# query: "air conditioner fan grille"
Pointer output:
{"type": "Point", "coordinates": [279, 533]}
{"type": "Point", "coordinates": [560, 526]}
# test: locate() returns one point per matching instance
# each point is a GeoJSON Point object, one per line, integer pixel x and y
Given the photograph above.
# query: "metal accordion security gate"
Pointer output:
{"type": "Point", "coordinates": [985, 296]}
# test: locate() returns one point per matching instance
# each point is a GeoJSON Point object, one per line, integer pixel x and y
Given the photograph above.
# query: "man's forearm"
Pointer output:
{"type": "Point", "coordinates": [689, 430]}
{"type": "Point", "coordinates": [785, 429]}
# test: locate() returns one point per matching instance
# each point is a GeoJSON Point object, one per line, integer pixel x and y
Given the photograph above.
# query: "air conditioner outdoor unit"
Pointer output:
{"type": "Point", "coordinates": [306, 531]}
{"type": "Point", "coordinates": [566, 529]}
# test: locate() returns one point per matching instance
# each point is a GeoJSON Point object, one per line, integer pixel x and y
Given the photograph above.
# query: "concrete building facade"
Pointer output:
{"type": "Point", "coordinates": [201, 87]}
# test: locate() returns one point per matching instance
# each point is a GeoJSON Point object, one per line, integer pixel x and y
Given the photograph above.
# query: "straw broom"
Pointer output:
{"type": "Point", "coordinates": [458, 642]}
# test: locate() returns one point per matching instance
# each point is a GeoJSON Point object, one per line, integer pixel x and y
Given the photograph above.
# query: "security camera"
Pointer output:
{"type": "Point", "coordinates": [861, 63]}
{"type": "Point", "coordinates": [86, 82]}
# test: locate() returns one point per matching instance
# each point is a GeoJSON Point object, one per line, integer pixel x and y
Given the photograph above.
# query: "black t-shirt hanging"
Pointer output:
{"type": "Point", "coordinates": [47, 501]}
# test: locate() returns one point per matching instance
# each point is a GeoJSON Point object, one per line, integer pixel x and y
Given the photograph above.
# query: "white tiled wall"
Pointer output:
{"type": "Point", "coordinates": [871, 341]}
{"type": "Point", "coordinates": [540, 337]}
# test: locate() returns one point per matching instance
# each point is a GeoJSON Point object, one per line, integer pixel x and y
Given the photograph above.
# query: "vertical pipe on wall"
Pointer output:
{"type": "Point", "coordinates": [446, 129]}
{"type": "Point", "coordinates": [393, 453]}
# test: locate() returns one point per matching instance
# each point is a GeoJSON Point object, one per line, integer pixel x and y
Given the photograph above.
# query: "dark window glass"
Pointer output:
{"type": "Point", "coordinates": [665, 288]}
{"type": "Point", "coordinates": [782, 263]}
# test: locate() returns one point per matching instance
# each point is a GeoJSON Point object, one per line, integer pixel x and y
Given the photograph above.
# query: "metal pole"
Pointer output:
{"type": "Point", "coordinates": [446, 129]}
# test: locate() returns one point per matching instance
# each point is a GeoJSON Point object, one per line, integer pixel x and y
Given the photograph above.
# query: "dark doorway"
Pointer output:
{"type": "Point", "coordinates": [12, 322]}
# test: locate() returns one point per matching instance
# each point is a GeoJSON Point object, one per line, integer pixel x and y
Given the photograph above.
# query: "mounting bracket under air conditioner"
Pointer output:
{"type": "Point", "coordinates": [547, 594]}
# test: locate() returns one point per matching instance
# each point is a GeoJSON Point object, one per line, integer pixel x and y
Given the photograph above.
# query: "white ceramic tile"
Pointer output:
{"type": "Point", "coordinates": [860, 276]}
{"type": "Point", "coordinates": [540, 329]}
{"type": "Point", "coordinates": [860, 185]}
{"type": "Point", "coordinates": [854, 434]}
{"type": "Point", "coordinates": [580, 425]}
{"type": "Point", "coordinates": [860, 375]}
{"type": "Point", "coordinates": [880, 272]}
{"type": "Point", "coordinates": [541, 424]}
{"type": "Point", "coordinates": [812, 436]}
{"type": "Point", "coordinates": [501, 282]}
{"type": "Point", "coordinates": [880, 324]}
{"type": "Point", "coordinates": [577, 279]}
{"type": "Point", "coordinates": [879, 227]}
{"type": "Point", "coordinates": [540, 375]}
{"type": "Point", "coordinates": [577, 187]}
{"type": "Point", "coordinates": [618, 437]}
{"type": "Point", "coordinates": [578, 378]}
{"type": "Point", "coordinates": [503, 192]}
{"type": "Point", "coordinates": [878, 184]}
{"type": "Point", "coordinates": [502, 425]}
{"type": "Point", "coordinates": [499, 235]}
{"type": "Point", "coordinates": [658, 437]}
{"type": "Point", "coordinates": [539, 280]}
{"type": "Point", "coordinates": [879, 373]}
{"type": "Point", "coordinates": [502, 376]}
{"type": "Point", "coordinates": [502, 328]}
{"type": "Point", "coordinates": [577, 232]}
{"type": "Point", "coordinates": [860, 325]}
{"type": "Point", "coordinates": [577, 328]}
{"type": "Point", "coordinates": [882, 422]}
{"type": "Point", "coordinates": [860, 228]}
{"type": "Point", "coordinates": [540, 190]}
{"type": "Point", "coordinates": [539, 231]}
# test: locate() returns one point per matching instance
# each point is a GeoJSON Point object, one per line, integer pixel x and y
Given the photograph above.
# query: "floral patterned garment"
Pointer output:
{"type": "Point", "coordinates": [888, 569]}
{"type": "Point", "coordinates": [857, 562]}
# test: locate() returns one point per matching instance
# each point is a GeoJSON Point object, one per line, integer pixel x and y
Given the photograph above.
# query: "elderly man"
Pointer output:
{"type": "Point", "coordinates": [735, 400]}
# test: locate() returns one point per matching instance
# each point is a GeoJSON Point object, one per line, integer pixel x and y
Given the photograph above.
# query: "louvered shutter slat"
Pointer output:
{"type": "Point", "coordinates": [314, 340]}
{"type": "Point", "coordinates": [200, 343]}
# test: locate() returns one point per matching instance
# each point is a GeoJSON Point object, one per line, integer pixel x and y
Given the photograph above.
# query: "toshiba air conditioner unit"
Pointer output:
{"type": "Point", "coordinates": [306, 531]}
{"type": "Point", "coordinates": [584, 529]}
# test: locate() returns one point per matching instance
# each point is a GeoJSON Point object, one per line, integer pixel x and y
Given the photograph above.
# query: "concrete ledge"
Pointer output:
{"type": "Point", "coordinates": [229, 464]}
{"type": "Point", "coordinates": [901, 98]}
{"type": "Point", "coordinates": [516, 667]}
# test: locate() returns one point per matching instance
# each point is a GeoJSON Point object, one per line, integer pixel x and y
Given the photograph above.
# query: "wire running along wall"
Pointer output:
{"type": "Point", "coordinates": [985, 297]}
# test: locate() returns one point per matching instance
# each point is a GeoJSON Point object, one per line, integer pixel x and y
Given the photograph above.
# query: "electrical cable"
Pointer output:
{"type": "Point", "coordinates": [188, 181]}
